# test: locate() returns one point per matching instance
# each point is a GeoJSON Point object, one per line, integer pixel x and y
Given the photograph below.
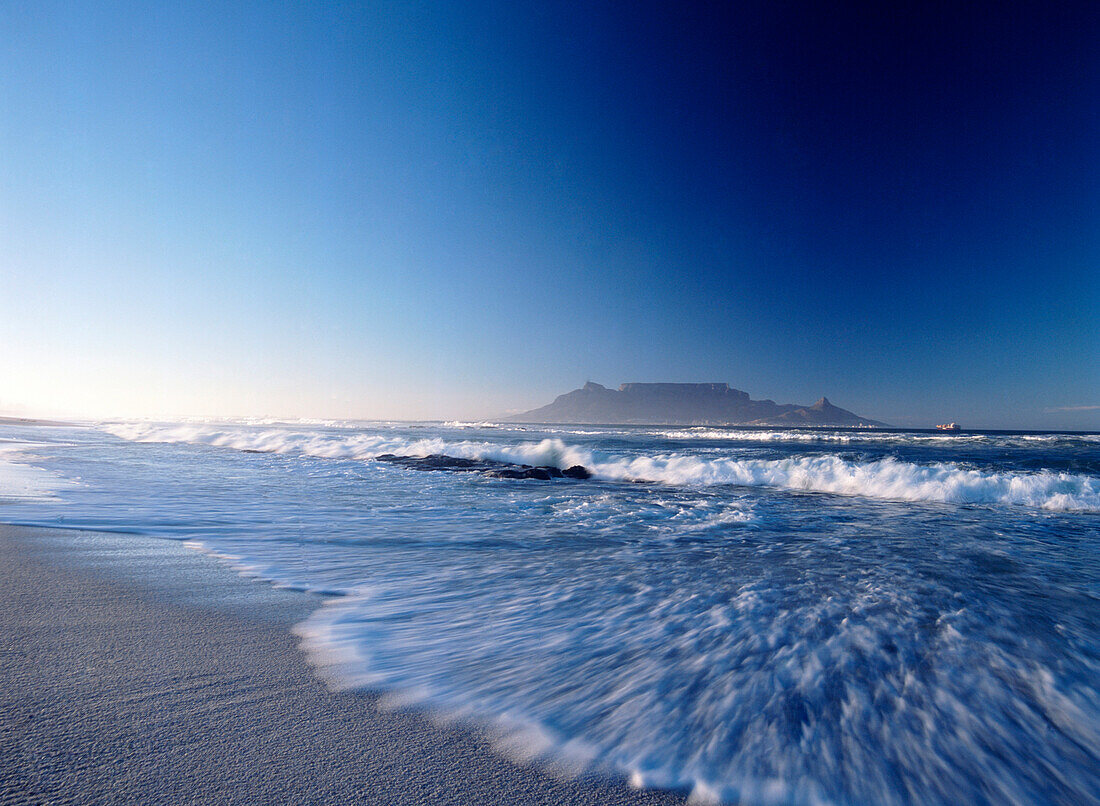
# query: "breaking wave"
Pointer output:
{"type": "Point", "coordinates": [852, 437]}
{"type": "Point", "coordinates": [885, 478]}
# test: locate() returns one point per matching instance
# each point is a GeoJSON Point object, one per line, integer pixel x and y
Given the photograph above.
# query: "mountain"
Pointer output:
{"type": "Point", "coordinates": [684, 404]}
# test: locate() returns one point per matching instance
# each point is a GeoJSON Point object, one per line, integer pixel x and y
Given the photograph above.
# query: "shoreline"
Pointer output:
{"type": "Point", "coordinates": [135, 669]}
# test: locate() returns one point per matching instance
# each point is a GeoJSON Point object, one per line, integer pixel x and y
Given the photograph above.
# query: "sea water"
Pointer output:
{"type": "Point", "coordinates": [803, 615]}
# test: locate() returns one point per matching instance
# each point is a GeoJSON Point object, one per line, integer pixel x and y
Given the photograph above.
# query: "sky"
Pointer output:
{"type": "Point", "coordinates": [458, 210]}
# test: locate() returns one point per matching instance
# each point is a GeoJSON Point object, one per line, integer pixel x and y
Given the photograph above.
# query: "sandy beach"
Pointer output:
{"type": "Point", "coordinates": [135, 670]}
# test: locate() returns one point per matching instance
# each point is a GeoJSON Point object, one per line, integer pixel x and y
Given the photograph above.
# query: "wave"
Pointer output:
{"type": "Point", "coordinates": [20, 481]}
{"type": "Point", "coordinates": [846, 437]}
{"type": "Point", "coordinates": [885, 478]}
{"type": "Point", "coordinates": [770, 694]}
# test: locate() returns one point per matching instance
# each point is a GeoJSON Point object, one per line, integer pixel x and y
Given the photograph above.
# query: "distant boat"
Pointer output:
{"type": "Point", "coordinates": [948, 427]}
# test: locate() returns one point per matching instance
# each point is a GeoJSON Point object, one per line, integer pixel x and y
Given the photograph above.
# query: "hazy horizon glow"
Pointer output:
{"type": "Point", "coordinates": [413, 212]}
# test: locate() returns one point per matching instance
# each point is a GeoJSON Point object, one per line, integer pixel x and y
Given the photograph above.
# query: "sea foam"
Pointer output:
{"type": "Point", "coordinates": [885, 478]}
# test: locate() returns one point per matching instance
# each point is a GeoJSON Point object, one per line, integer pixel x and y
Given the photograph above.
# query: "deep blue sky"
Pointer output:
{"type": "Point", "coordinates": [402, 210]}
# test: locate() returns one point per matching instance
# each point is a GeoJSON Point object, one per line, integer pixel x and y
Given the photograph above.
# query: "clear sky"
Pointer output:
{"type": "Point", "coordinates": [445, 210]}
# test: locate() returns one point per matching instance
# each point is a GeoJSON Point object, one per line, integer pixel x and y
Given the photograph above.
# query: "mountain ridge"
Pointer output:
{"type": "Point", "coordinates": [684, 404]}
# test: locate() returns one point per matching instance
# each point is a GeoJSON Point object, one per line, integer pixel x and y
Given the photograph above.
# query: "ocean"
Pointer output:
{"type": "Point", "coordinates": [770, 615]}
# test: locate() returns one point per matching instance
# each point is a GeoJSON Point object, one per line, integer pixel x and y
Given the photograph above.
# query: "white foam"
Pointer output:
{"type": "Point", "coordinates": [698, 673]}
{"type": "Point", "coordinates": [885, 478]}
{"type": "Point", "coordinates": [847, 437]}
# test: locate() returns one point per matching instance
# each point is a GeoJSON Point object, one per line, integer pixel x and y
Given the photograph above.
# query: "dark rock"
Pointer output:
{"type": "Point", "coordinates": [488, 467]}
{"type": "Point", "coordinates": [432, 462]}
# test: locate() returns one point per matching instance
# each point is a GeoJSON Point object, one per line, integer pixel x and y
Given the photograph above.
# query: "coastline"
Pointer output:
{"type": "Point", "coordinates": [134, 669]}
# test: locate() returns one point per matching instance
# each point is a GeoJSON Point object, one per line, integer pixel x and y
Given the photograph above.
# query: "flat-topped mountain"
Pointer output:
{"type": "Point", "coordinates": [683, 404]}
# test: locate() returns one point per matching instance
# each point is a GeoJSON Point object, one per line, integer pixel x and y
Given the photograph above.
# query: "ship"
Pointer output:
{"type": "Point", "coordinates": [948, 427]}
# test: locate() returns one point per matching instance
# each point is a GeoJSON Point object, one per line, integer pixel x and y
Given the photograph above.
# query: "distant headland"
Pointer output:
{"type": "Point", "coordinates": [685, 404]}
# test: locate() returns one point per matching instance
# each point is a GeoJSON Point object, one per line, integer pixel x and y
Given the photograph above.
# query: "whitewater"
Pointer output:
{"type": "Point", "coordinates": [751, 615]}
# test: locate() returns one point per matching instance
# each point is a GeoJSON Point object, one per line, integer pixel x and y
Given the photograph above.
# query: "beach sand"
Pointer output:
{"type": "Point", "coordinates": [135, 670]}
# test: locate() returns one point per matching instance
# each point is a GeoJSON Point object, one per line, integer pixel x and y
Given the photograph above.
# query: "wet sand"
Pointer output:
{"type": "Point", "coordinates": [135, 670]}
